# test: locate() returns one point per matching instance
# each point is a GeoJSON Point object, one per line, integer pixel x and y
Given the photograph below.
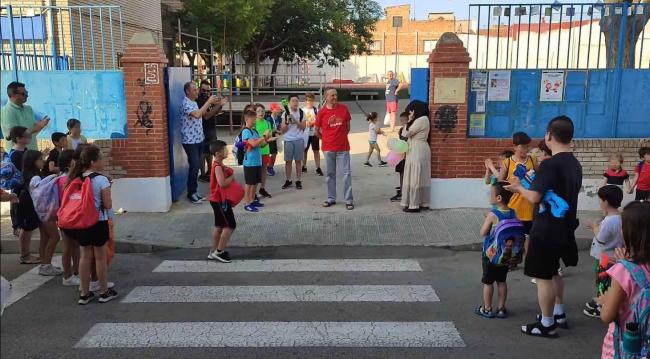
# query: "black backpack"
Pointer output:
{"type": "Point", "coordinates": [239, 149]}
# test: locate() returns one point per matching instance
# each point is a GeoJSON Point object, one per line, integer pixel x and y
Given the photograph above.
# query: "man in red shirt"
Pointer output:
{"type": "Point", "coordinates": [333, 126]}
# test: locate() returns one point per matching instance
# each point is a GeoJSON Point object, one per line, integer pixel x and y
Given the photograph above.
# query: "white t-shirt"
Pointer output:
{"type": "Point", "coordinates": [372, 132]}
{"type": "Point", "coordinates": [610, 236]}
{"type": "Point", "coordinates": [294, 133]}
{"type": "Point", "coordinates": [310, 115]}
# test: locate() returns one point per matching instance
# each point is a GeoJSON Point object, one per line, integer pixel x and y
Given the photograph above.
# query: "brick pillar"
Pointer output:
{"type": "Point", "coordinates": [448, 63]}
{"type": "Point", "coordinates": [143, 155]}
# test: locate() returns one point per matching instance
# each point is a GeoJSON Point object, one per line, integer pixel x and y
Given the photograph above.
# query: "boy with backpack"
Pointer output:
{"type": "Point", "coordinates": [293, 128]}
{"type": "Point", "coordinates": [504, 237]}
{"type": "Point", "coordinates": [552, 238]}
{"type": "Point", "coordinates": [252, 161]}
{"type": "Point", "coordinates": [275, 121]}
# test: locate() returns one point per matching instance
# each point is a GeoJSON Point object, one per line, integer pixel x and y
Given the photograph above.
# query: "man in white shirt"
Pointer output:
{"type": "Point", "coordinates": [292, 128]}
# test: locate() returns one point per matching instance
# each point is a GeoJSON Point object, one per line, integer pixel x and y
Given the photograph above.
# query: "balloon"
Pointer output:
{"type": "Point", "coordinates": [391, 143]}
{"type": "Point", "coordinates": [394, 158]}
{"type": "Point", "coordinates": [401, 146]}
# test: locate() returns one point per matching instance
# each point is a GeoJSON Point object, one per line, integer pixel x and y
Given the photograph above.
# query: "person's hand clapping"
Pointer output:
{"type": "Point", "coordinates": [514, 186]}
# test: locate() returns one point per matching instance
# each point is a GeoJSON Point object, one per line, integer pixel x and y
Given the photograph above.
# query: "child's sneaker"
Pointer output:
{"type": "Point", "coordinates": [85, 299]}
{"type": "Point", "coordinates": [591, 312]}
{"type": "Point", "coordinates": [538, 330]}
{"type": "Point", "coordinates": [195, 199]}
{"type": "Point", "coordinates": [270, 171]}
{"type": "Point", "coordinates": [251, 208]}
{"type": "Point", "coordinates": [264, 193]}
{"type": "Point", "coordinates": [591, 304]}
{"type": "Point", "coordinates": [502, 313]}
{"type": "Point", "coordinates": [49, 270]}
{"type": "Point", "coordinates": [319, 172]}
{"type": "Point", "coordinates": [367, 164]}
{"type": "Point", "coordinates": [483, 312]}
{"type": "Point", "coordinates": [287, 184]}
{"type": "Point", "coordinates": [71, 281]}
{"type": "Point", "coordinates": [107, 296]}
{"type": "Point", "coordinates": [304, 169]}
{"type": "Point", "coordinates": [257, 203]}
{"type": "Point", "coordinates": [383, 164]}
{"type": "Point", "coordinates": [222, 257]}
{"type": "Point", "coordinates": [298, 185]}
{"type": "Point", "coordinates": [95, 287]}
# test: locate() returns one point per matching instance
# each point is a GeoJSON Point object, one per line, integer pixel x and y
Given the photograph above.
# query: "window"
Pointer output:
{"type": "Point", "coordinates": [397, 21]}
{"type": "Point", "coordinates": [375, 46]}
{"type": "Point", "coordinates": [429, 45]}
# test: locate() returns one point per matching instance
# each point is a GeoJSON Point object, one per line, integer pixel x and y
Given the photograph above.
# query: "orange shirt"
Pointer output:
{"type": "Point", "coordinates": [523, 209]}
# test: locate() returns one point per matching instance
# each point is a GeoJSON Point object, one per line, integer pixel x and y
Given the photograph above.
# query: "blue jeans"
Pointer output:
{"type": "Point", "coordinates": [194, 153]}
{"type": "Point", "coordinates": [341, 160]}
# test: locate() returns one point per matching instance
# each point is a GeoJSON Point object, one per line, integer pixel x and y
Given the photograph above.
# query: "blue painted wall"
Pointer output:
{"type": "Point", "coordinates": [419, 87]}
{"type": "Point", "coordinates": [601, 105]}
{"type": "Point", "coordinates": [96, 98]}
{"type": "Point", "coordinates": [175, 78]}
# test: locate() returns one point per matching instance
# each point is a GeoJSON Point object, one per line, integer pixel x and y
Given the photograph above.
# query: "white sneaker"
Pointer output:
{"type": "Point", "coordinates": [94, 286]}
{"type": "Point", "coordinates": [49, 270]}
{"type": "Point", "coordinates": [534, 281]}
{"type": "Point", "coordinates": [72, 281]}
{"type": "Point", "coordinates": [212, 255]}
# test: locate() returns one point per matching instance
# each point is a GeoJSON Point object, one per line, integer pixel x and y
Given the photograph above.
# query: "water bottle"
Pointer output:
{"type": "Point", "coordinates": [632, 339]}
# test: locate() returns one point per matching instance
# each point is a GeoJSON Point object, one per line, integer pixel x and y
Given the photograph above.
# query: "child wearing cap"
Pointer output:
{"type": "Point", "coordinates": [275, 119]}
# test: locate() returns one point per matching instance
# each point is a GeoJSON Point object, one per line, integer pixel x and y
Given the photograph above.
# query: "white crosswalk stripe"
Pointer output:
{"type": "Point", "coordinates": [298, 293]}
{"type": "Point", "coordinates": [253, 334]}
{"type": "Point", "coordinates": [272, 334]}
{"type": "Point", "coordinates": [293, 265]}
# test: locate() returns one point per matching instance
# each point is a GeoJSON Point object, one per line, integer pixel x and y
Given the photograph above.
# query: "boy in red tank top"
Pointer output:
{"type": "Point", "coordinates": [222, 180]}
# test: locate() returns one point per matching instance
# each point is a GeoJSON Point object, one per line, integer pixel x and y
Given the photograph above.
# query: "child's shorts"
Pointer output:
{"type": "Point", "coordinates": [314, 143]}
{"type": "Point", "coordinates": [95, 236]}
{"type": "Point", "coordinates": [266, 160]}
{"type": "Point", "coordinates": [223, 215]}
{"type": "Point", "coordinates": [252, 175]}
{"type": "Point", "coordinates": [493, 273]}
{"type": "Point", "coordinates": [372, 143]}
{"type": "Point", "coordinates": [273, 147]}
{"type": "Point", "coordinates": [641, 195]}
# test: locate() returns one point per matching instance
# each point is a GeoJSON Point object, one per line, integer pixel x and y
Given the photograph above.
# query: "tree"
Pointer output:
{"type": "Point", "coordinates": [610, 25]}
{"type": "Point", "coordinates": [329, 30]}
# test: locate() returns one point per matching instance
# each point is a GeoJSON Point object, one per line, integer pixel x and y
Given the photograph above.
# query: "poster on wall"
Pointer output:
{"type": "Point", "coordinates": [499, 86]}
{"type": "Point", "coordinates": [480, 101]}
{"type": "Point", "coordinates": [477, 124]}
{"type": "Point", "coordinates": [479, 80]}
{"type": "Point", "coordinates": [552, 86]}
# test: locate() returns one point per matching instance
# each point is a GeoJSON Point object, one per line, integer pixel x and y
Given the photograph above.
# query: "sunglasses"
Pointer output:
{"type": "Point", "coordinates": [24, 93]}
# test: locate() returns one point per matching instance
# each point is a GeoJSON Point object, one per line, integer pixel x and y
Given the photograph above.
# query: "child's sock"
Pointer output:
{"type": "Point", "coordinates": [558, 309]}
{"type": "Point", "coordinates": [547, 321]}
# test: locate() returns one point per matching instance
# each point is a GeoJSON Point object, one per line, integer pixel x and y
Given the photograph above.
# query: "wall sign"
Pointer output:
{"type": "Point", "coordinates": [450, 90]}
{"type": "Point", "coordinates": [499, 86]}
{"type": "Point", "coordinates": [151, 72]}
{"type": "Point", "coordinates": [552, 86]}
{"type": "Point", "coordinates": [477, 125]}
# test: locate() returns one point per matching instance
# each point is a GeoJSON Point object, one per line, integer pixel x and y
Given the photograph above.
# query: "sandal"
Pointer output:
{"type": "Point", "coordinates": [538, 330]}
{"type": "Point", "coordinates": [29, 259]}
{"type": "Point", "coordinates": [349, 206]}
{"type": "Point", "coordinates": [327, 204]}
{"type": "Point", "coordinates": [483, 312]}
{"type": "Point", "coordinates": [502, 313]}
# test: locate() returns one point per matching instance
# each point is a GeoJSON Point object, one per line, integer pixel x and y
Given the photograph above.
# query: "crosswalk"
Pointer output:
{"type": "Point", "coordinates": [253, 334]}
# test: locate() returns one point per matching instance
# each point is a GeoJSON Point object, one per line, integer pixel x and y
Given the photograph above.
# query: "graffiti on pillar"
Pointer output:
{"type": "Point", "coordinates": [446, 118]}
{"type": "Point", "coordinates": [144, 110]}
{"type": "Point", "coordinates": [151, 74]}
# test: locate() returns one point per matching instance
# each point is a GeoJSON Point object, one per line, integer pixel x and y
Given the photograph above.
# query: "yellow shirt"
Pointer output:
{"type": "Point", "coordinates": [523, 209]}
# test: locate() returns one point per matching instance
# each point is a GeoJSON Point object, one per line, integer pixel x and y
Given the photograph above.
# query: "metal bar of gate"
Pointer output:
{"type": "Point", "coordinates": [539, 34]}
{"type": "Point", "coordinates": [34, 56]}
{"type": "Point", "coordinates": [477, 34]}
{"type": "Point", "coordinates": [582, 10]}
{"type": "Point", "coordinates": [530, 19]}
{"type": "Point", "coordinates": [101, 33]}
{"type": "Point", "coordinates": [559, 37]}
{"type": "Point", "coordinates": [24, 62]}
{"type": "Point", "coordinates": [487, 46]}
{"type": "Point", "coordinates": [630, 60]}
{"type": "Point", "coordinates": [645, 18]}
{"type": "Point", "coordinates": [62, 33]}
{"type": "Point", "coordinates": [110, 21]}
{"type": "Point", "coordinates": [508, 64]}
{"type": "Point", "coordinates": [548, 46]}
{"type": "Point", "coordinates": [12, 41]}
{"type": "Point", "coordinates": [498, 33]}
{"type": "Point", "coordinates": [92, 37]}
{"type": "Point", "coordinates": [81, 34]}
{"type": "Point", "coordinates": [568, 48]}
{"type": "Point", "coordinates": [73, 44]}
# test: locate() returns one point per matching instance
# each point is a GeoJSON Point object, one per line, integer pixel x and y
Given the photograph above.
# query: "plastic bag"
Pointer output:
{"type": "Point", "coordinates": [387, 119]}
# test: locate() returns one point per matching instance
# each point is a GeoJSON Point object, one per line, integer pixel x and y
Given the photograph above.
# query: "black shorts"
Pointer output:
{"type": "Point", "coordinates": [95, 236]}
{"type": "Point", "coordinates": [223, 215]}
{"type": "Point", "coordinates": [642, 195]}
{"type": "Point", "coordinates": [252, 175]}
{"type": "Point", "coordinates": [25, 213]}
{"type": "Point", "coordinates": [314, 142]}
{"type": "Point", "coordinates": [400, 166]}
{"type": "Point", "coordinates": [528, 225]}
{"type": "Point", "coordinates": [273, 147]}
{"type": "Point", "coordinates": [493, 273]}
{"type": "Point", "coordinates": [543, 259]}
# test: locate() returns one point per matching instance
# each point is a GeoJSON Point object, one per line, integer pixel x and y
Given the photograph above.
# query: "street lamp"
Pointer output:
{"type": "Point", "coordinates": [397, 23]}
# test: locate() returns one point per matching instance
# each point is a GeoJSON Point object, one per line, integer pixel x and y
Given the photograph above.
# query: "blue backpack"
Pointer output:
{"type": "Point", "coordinates": [10, 176]}
{"type": "Point", "coordinates": [495, 244]}
{"type": "Point", "coordinates": [641, 310]}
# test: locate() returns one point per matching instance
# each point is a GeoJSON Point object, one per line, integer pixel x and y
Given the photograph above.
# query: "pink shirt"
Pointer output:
{"type": "Point", "coordinates": [624, 279]}
{"type": "Point", "coordinates": [60, 184]}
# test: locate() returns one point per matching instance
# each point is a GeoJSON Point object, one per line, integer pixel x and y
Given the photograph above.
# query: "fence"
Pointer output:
{"type": "Point", "coordinates": [571, 36]}
{"type": "Point", "coordinates": [42, 38]}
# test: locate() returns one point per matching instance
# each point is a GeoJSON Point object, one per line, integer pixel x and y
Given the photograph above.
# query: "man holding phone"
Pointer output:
{"type": "Point", "coordinates": [16, 113]}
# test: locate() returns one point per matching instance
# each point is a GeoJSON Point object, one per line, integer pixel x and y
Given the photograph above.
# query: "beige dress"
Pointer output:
{"type": "Point", "coordinates": [416, 186]}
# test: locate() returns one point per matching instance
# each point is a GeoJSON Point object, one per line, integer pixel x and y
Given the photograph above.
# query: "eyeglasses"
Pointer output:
{"type": "Point", "coordinates": [24, 93]}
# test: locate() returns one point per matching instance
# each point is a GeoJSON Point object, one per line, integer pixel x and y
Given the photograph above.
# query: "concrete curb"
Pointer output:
{"type": "Point", "coordinates": [12, 246]}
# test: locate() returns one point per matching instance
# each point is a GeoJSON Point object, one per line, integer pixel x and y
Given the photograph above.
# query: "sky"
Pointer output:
{"type": "Point", "coordinates": [459, 7]}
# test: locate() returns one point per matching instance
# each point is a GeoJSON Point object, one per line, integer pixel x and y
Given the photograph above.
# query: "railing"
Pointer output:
{"type": "Point", "coordinates": [84, 37]}
{"type": "Point", "coordinates": [559, 36]}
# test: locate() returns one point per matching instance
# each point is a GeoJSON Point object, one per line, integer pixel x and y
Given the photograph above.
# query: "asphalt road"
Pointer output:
{"type": "Point", "coordinates": [438, 323]}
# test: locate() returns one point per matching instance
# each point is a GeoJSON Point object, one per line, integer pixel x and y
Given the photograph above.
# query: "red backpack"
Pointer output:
{"type": "Point", "coordinates": [78, 210]}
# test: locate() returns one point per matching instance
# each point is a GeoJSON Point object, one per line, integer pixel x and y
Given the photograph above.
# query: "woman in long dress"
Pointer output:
{"type": "Point", "coordinates": [416, 189]}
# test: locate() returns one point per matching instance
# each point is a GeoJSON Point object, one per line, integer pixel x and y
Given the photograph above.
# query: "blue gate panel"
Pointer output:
{"type": "Point", "coordinates": [96, 98]}
{"type": "Point", "coordinates": [419, 87]}
{"type": "Point", "coordinates": [175, 78]}
{"type": "Point", "coordinates": [591, 100]}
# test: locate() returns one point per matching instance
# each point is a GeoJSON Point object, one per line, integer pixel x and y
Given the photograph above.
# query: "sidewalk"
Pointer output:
{"type": "Point", "coordinates": [294, 217]}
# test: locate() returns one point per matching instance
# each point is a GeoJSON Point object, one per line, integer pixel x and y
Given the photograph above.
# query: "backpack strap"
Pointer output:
{"type": "Point", "coordinates": [499, 214]}
{"type": "Point", "coordinates": [637, 273]}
